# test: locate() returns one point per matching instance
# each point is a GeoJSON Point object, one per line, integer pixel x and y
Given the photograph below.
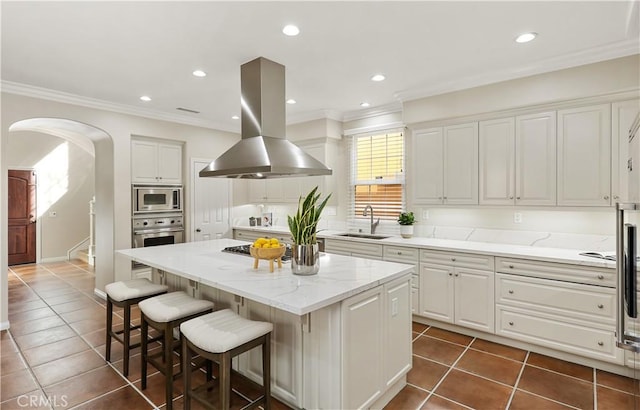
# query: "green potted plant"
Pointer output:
{"type": "Point", "coordinates": [406, 221]}
{"type": "Point", "coordinates": [303, 226]}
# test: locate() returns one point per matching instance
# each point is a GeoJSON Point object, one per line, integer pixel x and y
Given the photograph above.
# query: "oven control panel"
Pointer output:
{"type": "Point", "coordinates": [157, 222]}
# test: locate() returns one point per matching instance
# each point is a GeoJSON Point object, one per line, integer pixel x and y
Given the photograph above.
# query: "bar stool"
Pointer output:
{"type": "Point", "coordinates": [164, 313]}
{"type": "Point", "coordinates": [220, 336]}
{"type": "Point", "coordinates": [125, 294]}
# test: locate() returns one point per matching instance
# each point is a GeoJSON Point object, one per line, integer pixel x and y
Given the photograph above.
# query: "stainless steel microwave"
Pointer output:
{"type": "Point", "coordinates": [157, 198]}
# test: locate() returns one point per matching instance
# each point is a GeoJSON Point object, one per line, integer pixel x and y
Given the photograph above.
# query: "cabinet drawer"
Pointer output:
{"type": "Point", "coordinates": [462, 260]}
{"type": "Point", "coordinates": [351, 247]}
{"type": "Point", "coordinates": [561, 298]}
{"type": "Point", "coordinates": [401, 254]}
{"type": "Point", "coordinates": [415, 280]}
{"type": "Point", "coordinates": [248, 236]}
{"type": "Point", "coordinates": [551, 331]}
{"type": "Point", "coordinates": [557, 271]}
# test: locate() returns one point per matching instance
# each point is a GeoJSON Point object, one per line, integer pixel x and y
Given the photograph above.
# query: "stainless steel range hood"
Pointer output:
{"type": "Point", "coordinates": [263, 152]}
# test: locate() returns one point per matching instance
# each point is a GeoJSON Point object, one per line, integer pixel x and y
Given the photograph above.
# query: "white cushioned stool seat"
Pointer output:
{"type": "Point", "coordinates": [172, 306]}
{"type": "Point", "coordinates": [131, 289]}
{"type": "Point", "coordinates": [223, 330]}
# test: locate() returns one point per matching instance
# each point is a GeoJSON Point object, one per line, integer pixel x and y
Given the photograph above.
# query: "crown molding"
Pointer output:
{"type": "Point", "coordinates": [68, 98]}
{"type": "Point", "coordinates": [314, 115]}
{"type": "Point", "coordinates": [592, 55]}
{"type": "Point", "coordinates": [390, 108]}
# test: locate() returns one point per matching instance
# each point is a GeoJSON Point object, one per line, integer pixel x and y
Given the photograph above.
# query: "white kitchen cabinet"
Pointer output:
{"type": "Point", "coordinates": [456, 288]}
{"type": "Point", "coordinates": [584, 156]}
{"type": "Point", "coordinates": [360, 249]}
{"type": "Point", "coordinates": [444, 165]}
{"type": "Point", "coordinates": [411, 256]}
{"type": "Point", "coordinates": [536, 159]}
{"type": "Point", "coordinates": [251, 235]}
{"type": "Point", "coordinates": [397, 324]}
{"type": "Point", "coordinates": [497, 170]}
{"type": "Point", "coordinates": [155, 162]}
{"type": "Point", "coordinates": [564, 307]}
{"type": "Point", "coordinates": [622, 115]}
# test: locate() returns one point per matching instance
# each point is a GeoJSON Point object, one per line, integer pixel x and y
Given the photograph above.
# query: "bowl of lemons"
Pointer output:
{"type": "Point", "coordinates": [269, 249]}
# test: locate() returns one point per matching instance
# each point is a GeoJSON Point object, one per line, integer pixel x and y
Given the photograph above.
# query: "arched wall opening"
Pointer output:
{"type": "Point", "coordinates": [98, 143]}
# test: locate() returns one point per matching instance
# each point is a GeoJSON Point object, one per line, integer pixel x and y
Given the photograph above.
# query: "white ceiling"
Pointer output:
{"type": "Point", "coordinates": [111, 53]}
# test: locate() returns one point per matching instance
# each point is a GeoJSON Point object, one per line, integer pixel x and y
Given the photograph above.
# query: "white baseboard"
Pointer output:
{"type": "Point", "coordinates": [54, 259]}
{"type": "Point", "coordinates": [99, 293]}
{"type": "Point", "coordinates": [4, 325]}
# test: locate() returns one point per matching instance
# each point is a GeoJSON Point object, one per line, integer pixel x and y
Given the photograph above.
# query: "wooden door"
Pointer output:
{"type": "Point", "coordinates": [22, 217]}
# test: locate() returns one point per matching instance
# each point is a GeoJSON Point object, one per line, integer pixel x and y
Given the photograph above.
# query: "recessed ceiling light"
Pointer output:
{"type": "Point", "coordinates": [364, 104]}
{"type": "Point", "coordinates": [145, 98]}
{"type": "Point", "coordinates": [526, 37]}
{"type": "Point", "coordinates": [235, 117]}
{"type": "Point", "coordinates": [378, 77]}
{"type": "Point", "coordinates": [199, 73]}
{"type": "Point", "coordinates": [291, 101]}
{"type": "Point", "coordinates": [291, 30]}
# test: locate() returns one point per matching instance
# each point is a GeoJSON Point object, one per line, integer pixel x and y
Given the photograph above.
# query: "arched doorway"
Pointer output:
{"type": "Point", "coordinates": [93, 140]}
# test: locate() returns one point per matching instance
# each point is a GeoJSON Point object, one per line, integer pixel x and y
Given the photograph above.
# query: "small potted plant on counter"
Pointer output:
{"type": "Point", "coordinates": [406, 221]}
{"type": "Point", "coordinates": [305, 257]}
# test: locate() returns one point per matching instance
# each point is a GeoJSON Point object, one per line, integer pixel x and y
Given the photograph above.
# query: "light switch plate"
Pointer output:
{"type": "Point", "coordinates": [425, 214]}
{"type": "Point", "coordinates": [517, 217]}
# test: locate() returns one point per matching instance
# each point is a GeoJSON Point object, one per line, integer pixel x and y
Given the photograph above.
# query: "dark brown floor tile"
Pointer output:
{"type": "Point", "coordinates": [54, 351]}
{"type": "Point", "coordinates": [436, 349]}
{"type": "Point", "coordinates": [33, 400]}
{"type": "Point", "coordinates": [439, 403]}
{"type": "Point", "coordinates": [94, 312]}
{"type": "Point", "coordinates": [408, 398]}
{"type": "Point", "coordinates": [237, 402]}
{"type": "Point", "coordinates": [86, 386]}
{"type": "Point", "coordinates": [449, 336]}
{"type": "Point", "coordinates": [499, 349]}
{"type": "Point", "coordinates": [36, 325]}
{"type": "Point", "coordinates": [425, 373]}
{"type": "Point", "coordinates": [557, 387]}
{"type": "Point", "coordinates": [28, 315]}
{"type": "Point", "coordinates": [492, 367]}
{"type": "Point", "coordinates": [66, 298]}
{"type": "Point", "coordinates": [527, 401]}
{"type": "Point", "coordinates": [616, 400]}
{"type": "Point", "coordinates": [473, 391]}
{"type": "Point", "coordinates": [155, 390]}
{"type": "Point", "coordinates": [123, 398]}
{"type": "Point", "coordinates": [44, 337]}
{"type": "Point", "coordinates": [96, 338]}
{"type": "Point", "coordinates": [560, 366]}
{"type": "Point", "coordinates": [88, 325]}
{"type": "Point", "coordinates": [69, 366]}
{"type": "Point", "coordinates": [418, 327]}
{"type": "Point", "coordinates": [17, 383]}
{"type": "Point", "coordinates": [135, 365]}
{"type": "Point", "coordinates": [7, 344]}
{"type": "Point", "coordinates": [11, 361]}
{"type": "Point", "coordinates": [617, 382]}
{"type": "Point", "coordinates": [25, 306]}
{"type": "Point", "coordinates": [74, 305]}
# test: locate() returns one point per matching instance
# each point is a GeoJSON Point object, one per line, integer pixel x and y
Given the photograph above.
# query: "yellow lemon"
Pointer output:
{"type": "Point", "coordinates": [266, 245]}
{"type": "Point", "coordinates": [262, 240]}
{"type": "Point", "coordinates": [274, 241]}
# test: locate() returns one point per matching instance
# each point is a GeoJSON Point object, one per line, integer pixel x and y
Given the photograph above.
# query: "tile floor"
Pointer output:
{"type": "Point", "coordinates": [53, 357]}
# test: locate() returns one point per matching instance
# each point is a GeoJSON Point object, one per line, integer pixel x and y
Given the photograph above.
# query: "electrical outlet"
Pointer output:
{"type": "Point", "coordinates": [517, 217]}
{"type": "Point", "coordinates": [425, 214]}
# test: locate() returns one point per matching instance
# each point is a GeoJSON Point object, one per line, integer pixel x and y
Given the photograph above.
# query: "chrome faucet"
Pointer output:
{"type": "Point", "coordinates": [374, 225]}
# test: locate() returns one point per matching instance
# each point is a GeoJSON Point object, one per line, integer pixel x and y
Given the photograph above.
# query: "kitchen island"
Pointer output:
{"type": "Point", "coordinates": [341, 339]}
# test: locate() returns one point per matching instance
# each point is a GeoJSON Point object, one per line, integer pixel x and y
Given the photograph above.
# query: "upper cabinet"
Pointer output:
{"type": "Point", "coordinates": [584, 156]}
{"type": "Point", "coordinates": [155, 162]}
{"type": "Point", "coordinates": [622, 116]}
{"type": "Point", "coordinates": [497, 148]}
{"type": "Point", "coordinates": [535, 165]}
{"type": "Point", "coordinates": [445, 165]}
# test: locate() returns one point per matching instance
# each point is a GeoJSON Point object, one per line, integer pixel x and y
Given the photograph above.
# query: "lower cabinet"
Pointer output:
{"type": "Point", "coordinates": [457, 294]}
{"type": "Point", "coordinates": [403, 254]}
{"type": "Point", "coordinates": [353, 248]}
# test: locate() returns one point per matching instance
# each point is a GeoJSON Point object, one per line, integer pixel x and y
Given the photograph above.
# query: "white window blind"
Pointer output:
{"type": "Point", "coordinates": [377, 175]}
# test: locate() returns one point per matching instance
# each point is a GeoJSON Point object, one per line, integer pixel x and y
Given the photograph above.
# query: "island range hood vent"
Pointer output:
{"type": "Point", "coordinates": [263, 151]}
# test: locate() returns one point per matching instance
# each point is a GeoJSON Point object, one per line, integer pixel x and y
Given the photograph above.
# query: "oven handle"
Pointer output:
{"type": "Point", "coordinates": [160, 230]}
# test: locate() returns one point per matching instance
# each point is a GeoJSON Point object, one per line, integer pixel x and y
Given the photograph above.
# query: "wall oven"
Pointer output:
{"type": "Point", "coordinates": [156, 230]}
{"type": "Point", "coordinates": [157, 198]}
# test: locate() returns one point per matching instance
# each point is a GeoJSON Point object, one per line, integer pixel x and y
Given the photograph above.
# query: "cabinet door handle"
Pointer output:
{"type": "Point", "coordinates": [600, 306]}
{"type": "Point", "coordinates": [511, 291]}
{"type": "Point", "coordinates": [457, 275]}
{"type": "Point", "coordinates": [399, 253]}
{"type": "Point", "coordinates": [510, 323]}
{"type": "Point", "coordinates": [600, 343]}
{"type": "Point", "coordinates": [198, 230]}
{"type": "Point", "coordinates": [453, 259]}
{"type": "Point", "coordinates": [518, 198]}
{"type": "Point", "coordinates": [616, 197]}
{"type": "Point", "coordinates": [600, 277]}
{"type": "Point", "coordinates": [606, 197]}
{"type": "Point", "coordinates": [510, 266]}
{"type": "Point", "coordinates": [511, 197]}
{"type": "Point", "coordinates": [450, 274]}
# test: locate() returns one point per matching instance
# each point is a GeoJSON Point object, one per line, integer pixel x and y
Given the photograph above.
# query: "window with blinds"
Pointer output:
{"type": "Point", "coordinates": [377, 175]}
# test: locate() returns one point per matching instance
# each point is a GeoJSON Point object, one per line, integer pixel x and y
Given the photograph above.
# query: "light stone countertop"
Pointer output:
{"type": "Point", "coordinates": [536, 253]}
{"type": "Point", "coordinates": [339, 277]}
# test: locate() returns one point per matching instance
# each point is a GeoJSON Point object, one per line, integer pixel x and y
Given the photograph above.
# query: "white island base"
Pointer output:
{"type": "Point", "coordinates": [341, 339]}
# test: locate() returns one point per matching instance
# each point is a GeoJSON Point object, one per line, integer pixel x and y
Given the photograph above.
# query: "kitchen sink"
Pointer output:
{"type": "Point", "coordinates": [362, 235]}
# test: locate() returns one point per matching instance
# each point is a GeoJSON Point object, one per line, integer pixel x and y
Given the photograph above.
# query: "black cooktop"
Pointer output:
{"type": "Point", "coordinates": [244, 250]}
